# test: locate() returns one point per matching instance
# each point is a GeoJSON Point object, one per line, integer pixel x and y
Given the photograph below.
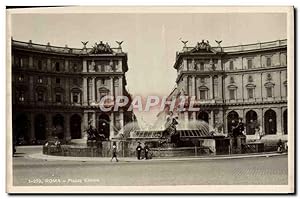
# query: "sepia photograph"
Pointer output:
{"type": "Point", "coordinates": [150, 100]}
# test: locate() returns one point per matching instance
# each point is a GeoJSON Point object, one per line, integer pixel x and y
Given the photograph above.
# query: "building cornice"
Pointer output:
{"type": "Point", "coordinates": [233, 50]}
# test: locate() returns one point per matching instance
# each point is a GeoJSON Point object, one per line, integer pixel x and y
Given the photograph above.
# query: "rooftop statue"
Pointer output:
{"type": "Point", "coordinates": [101, 48]}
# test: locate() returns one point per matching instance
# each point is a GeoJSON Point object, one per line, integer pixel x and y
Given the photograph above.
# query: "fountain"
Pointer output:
{"type": "Point", "coordinates": [171, 137]}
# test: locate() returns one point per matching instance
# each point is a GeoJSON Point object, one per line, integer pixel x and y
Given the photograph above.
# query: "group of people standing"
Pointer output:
{"type": "Point", "coordinates": [141, 152]}
{"type": "Point", "coordinates": [140, 149]}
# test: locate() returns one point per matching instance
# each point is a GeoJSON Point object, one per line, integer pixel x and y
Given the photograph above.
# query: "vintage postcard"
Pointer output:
{"type": "Point", "coordinates": [150, 100]}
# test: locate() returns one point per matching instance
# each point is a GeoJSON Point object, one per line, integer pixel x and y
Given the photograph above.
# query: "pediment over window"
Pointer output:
{"type": "Point", "coordinates": [203, 88]}
{"type": "Point", "coordinates": [269, 84]}
{"type": "Point", "coordinates": [103, 90]}
{"type": "Point", "coordinates": [250, 86]}
{"type": "Point", "coordinates": [76, 90]}
{"type": "Point", "coordinates": [232, 87]}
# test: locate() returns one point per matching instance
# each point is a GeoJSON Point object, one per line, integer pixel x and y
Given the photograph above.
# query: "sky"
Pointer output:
{"type": "Point", "coordinates": [151, 40]}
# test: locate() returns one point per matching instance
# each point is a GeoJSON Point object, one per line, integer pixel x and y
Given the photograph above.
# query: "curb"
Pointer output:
{"type": "Point", "coordinates": [107, 159]}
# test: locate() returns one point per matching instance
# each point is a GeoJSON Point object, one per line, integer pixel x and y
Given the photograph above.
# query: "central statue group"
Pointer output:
{"type": "Point", "coordinates": [93, 134]}
{"type": "Point", "coordinates": [170, 133]}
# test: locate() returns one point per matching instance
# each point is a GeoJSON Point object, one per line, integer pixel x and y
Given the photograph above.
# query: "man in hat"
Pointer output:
{"type": "Point", "coordinates": [146, 149]}
{"type": "Point", "coordinates": [139, 151]}
{"type": "Point", "coordinates": [114, 152]}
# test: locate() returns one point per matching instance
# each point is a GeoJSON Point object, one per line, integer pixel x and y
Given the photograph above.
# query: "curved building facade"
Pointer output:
{"type": "Point", "coordinates": [55, 90]}
{"type": "Point", "coordinates": [246, 81]}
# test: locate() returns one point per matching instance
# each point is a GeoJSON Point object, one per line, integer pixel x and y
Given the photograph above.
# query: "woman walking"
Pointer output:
{"type": "Point", "coordinates": [114, 152]}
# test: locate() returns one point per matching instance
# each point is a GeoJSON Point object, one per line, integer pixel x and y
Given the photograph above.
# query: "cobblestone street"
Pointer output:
{"type": "Point", "coordinates": [245, 171]}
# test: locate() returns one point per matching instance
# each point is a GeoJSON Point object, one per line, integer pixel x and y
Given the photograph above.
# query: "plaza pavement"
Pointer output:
{"type": "Point", "coordinates": [31, 168]}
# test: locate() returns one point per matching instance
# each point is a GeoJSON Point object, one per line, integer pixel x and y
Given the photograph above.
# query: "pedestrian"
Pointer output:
{"type": "Point", "coordinates": [146, 149]}
{"type": "Point", "coordinates": [139, 151]}
{"type": "Point", "coordinates": [240, 127]}
{"type": "Point", "coordinates": [279, 146]}
{"type": "Point", "coordinates": [114, 152]}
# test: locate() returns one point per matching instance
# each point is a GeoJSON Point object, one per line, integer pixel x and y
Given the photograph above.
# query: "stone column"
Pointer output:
{"type": "Point", "coordinates": [49, 66]}
{"type": "Point", "coordinates": [49, 90]}
{"type": "Point", "coordinates": [120, 67]}
{"type": "Point", "coordinates": [243, 97]}
{"type": "Point", "coordinates": [279, 121]}
{"type": "Point", "coordinates": [30, 62]}
{"type": "Point", "coordinates": [220, 86]}
{"type": "Point", "coordinates": [219, 64]}
{"type": "Point", "coordinates": [211, 87]}
{"type": "Point", "coordinates": [84, 64]}
{"type": "Point", "coordinates": [67, 81]}
{"type": "Point", "coordinates": [211, 120]}
{"type": "Point", "coordinates": [193, 64]}
{"type": "Point", "coordinates": [185, 65]}
{"type": "Point", "coordinates": [94, 119]}
{"type": "Point", "coordinates": [31, 89]}
{"type": "Point", "coordinates": [67, 68]}
{"type": "Point", "coordinates": [186, 85]}
{"type": "Point", "coordinates": [222, 120]}
{"type": "Point", "coordinates": [193, 86]}
{"type": "Point", "coordinates": [225, 130]}
{"type": "Point", "coordinates": [84, 124]}
{"type": "Point", "coordinates": [111, 126]}
{"type": "Point", "coordinates": [32, 133]}
{"type": "Point", "coordinates": [262, 122]}
{"type": "Point", "coordinates": [121, 86]}
{"type": "Point", "coordinates": [67, 133]}
{"type": "Point", "coordinates": [93, 90]}
{"type": "Point", "coordinates": [112, 86]}
{"type": "Point", "coordinates": [85, 91]}
{"type": "Point", "coordinates": [121, 121]}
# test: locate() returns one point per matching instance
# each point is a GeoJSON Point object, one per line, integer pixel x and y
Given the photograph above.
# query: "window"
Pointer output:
{"type": "Point", "coordinates": [40, 96]}
{"type": "Point", "coordinates": [21, 97]}
{"type": "Point", "coordinates": [40, 80]}
{"type": "Point", "coordinates": [102, 68]}
{"type": "Point", "coordinates": [269, 92]}
{"type": "Point", "coordinates": [250, 78]}
{"type": "Point", "coordinates": [231, 80]}
{"type": "Point", "coordinates": [189, 64]}
{"type": "Point", "coordinates": [58, 80]}
{"type": "Point", "coordinates": [75, 81]}
{"type": "Point", "coordinates": [40, 65]}
{"type": "Point", "coordinates": [75, 67]}
{"type": "Point", "coordinates": [250, 63]}
{"type": "Point", "coordinates": [58, 98]}
{"type": "Point", "coordinates": [201, 66]}
{"type": "Point", "coordinates": [102, 94]}
{"type": "Point", "coordinates": [57, 68]}
{"type": "Point", "coordinates": [231, 94]}
{"type": "Point", "coordinates": [103, 81]}
{"type": "Point", "coordinates": [21, 78]}
{"type": "Point", "coordinates": [269, 63]}
{"type": "Point", "coordinates": [75, 97]}
{"type": "Point", "coordinates": [250, 93]}
{"type": "Point", "coordinates": [202, 80]}
{"type": "Point", "coordinates": [231, 65]}
{"type": "Point", "coordinates": [202, 94]}
{"type": "Point", "coordinates": [21, 63]}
